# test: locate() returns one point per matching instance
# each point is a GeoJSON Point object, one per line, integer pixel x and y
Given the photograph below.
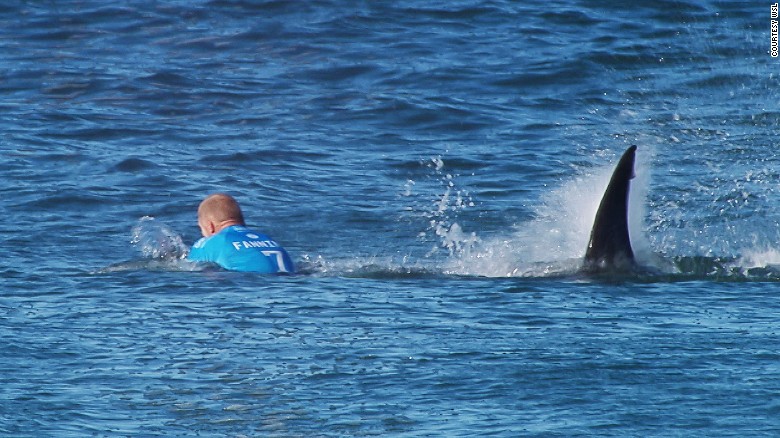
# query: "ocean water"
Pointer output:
{"type": "Point", "coordinates": [434, 169]}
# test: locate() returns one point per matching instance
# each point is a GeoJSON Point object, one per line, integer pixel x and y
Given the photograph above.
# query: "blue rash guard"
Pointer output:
{"type": "Point", "coordinates": [237, 248]}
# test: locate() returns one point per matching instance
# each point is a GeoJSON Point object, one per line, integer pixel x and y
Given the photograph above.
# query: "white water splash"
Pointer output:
{"type": "Point", "coordinates": [162, 249]}
{"type": "Point", "coordinates": [760, 254]}
{"type": "Point", "coordinates": [760, 258]}
{"type": "Point", "coordinates": [450, 201]}
{"type": "Point", "coordinates": [554, 242]}
{"type": "Point", "coordinates": [156, 240]}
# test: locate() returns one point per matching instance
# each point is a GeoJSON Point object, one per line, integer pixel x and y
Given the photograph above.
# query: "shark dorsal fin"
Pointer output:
{"type": "Point", "coordinates": [610, 245]}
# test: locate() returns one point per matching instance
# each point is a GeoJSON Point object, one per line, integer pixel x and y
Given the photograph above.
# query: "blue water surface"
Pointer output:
{"type": "Point", "coordinates": [434, 169]}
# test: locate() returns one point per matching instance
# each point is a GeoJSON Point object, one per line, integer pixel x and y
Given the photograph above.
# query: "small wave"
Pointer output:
{"type": "Point", "coordinates": [721, 269]}
{"type": "Point", "coordinates": [132, 164]}
{"type": "Point", "coordinates": [365, 267]}
{"type": "Point", "coordinates": [168, 79]}
{"type": "Point", "coordinates": [154, 265]}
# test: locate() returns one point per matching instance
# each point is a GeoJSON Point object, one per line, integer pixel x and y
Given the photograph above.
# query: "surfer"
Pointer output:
{"type": "Point", "coordinates": [230, 244]}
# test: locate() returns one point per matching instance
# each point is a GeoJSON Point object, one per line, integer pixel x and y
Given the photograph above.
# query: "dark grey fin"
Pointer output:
{"type": "Point", "coordinates": [609, 247]}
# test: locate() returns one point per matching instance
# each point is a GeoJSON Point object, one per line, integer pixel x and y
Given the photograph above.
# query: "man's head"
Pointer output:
{"type": "Point", "coordinates": [218, 211]}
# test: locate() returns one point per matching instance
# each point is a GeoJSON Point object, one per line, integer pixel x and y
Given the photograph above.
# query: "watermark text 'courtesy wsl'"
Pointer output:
{"type": "Point", "coordinates": [773, 29]}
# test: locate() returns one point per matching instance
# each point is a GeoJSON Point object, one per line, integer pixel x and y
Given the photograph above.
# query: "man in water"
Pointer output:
{"type": "Point", "coordinates": [227, 242]}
